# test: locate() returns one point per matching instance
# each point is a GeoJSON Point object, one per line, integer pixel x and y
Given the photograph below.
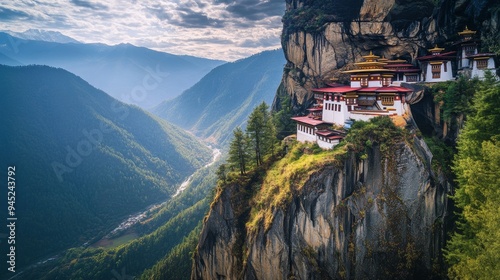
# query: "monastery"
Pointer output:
{"type": "Point", "coordinates": [375, 88]}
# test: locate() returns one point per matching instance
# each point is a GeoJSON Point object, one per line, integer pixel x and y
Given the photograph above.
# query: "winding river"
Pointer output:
{"type": "Point", "coordinates": [138, 217]}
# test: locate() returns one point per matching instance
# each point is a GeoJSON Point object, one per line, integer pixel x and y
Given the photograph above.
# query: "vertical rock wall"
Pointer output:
{"type": "Point", "coordinates": [318, 47]}
{"type": "Point", "coordinates": [378, 218]}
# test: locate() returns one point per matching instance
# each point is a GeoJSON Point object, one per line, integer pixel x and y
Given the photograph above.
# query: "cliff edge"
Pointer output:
{"type": "Point", "coordinates": [339, 214]}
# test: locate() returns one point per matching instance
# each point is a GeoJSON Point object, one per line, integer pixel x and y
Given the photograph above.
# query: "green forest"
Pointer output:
{"type": "Point", "coordinates": [474, 249]}
{"type": "Point", "coordinates": [84, 161]}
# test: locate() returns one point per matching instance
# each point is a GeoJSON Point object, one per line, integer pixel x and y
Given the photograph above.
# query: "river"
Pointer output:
{"type": "Point", "coordinates": [138, 217]}
{"type": "Point", "coordinates": [134, 218]}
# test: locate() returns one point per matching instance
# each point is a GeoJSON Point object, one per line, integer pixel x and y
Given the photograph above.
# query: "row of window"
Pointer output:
{"type": "Point", "coordinates": [306, 129]}
{"type": "Point", "coordinates": [385, 82]}
{"type": "Point", "coordinates": [332, 107]}
{"type": "Point", "coordinates": [437, 67]}
{"type": "Point", "coordinates": [324, 139]}
{"type": "Point", "coordinates": [412, 78]}
{"type": "Point", "coordinates": [387, 100]}
{"type": "Point", "coordinates": [481, 64]}
{"type": "Point", "coordinates": [469, 50]}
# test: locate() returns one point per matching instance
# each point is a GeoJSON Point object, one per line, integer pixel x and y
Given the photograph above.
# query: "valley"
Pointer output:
{"type": "Point", "coordinates": [366, 147]}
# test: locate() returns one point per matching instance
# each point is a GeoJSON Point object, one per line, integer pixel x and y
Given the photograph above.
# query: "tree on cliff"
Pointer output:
{"type": "Point", "coordinates": [257, 142]}
{"type": "Point", "coordinates": [238, 150]}
{"type": "Point", "coordinates": [474, 251]}
{"type": "Point", "coordinates": [261, 132]}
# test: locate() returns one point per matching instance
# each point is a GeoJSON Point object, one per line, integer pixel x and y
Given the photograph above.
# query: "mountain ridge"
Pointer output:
{"type": "Point", "coordinates": [224, 98]}
{"type": "Point", "coordinates": [84, 157]}
{"type": "Point", "coordinates": [42, 35]}
{"type": "Point", "coordinates": [135, 75]}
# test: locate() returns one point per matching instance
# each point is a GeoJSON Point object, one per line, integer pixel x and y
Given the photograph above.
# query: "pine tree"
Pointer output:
{"type": "Point", "coordinates": [261, 132]}
{"type": "Point", "coordinates": [238, 150]}
{"type": "Point", "coordinates": [474, 251]}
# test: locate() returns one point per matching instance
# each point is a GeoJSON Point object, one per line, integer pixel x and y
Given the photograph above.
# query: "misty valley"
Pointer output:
{"type": "Point", "coordinates": [366, 147]}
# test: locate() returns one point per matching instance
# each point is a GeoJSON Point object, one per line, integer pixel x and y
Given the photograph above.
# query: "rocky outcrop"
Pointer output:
{"type": "Point", "coordinates": [320, 40]}
{"type": "Point", "coordinates": [377, 218]}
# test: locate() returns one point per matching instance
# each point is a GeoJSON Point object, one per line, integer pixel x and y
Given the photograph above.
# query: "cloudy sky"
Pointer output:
{"type": "Point", "coordinates": [221, 29]}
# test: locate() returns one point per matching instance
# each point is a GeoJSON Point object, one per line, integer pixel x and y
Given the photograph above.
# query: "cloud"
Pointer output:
{"type": "Point", "coordinates": [255, 9]}
{"type": "Point", "coordinates": [221, 29]}
{"type": "Point", "coordinates": [88, 4]}
{"type": "Point", "coordinates": [192, 19]}
{"type": "Point", "coordinates": [188, 14]}
{"type": "Point", "coordinates": [8, 14]}
{"type": "Point", "coordinates": [258, 42]}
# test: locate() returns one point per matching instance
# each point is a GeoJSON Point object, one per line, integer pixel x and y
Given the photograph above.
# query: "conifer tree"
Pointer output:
{"type": "Point", "coordinates": [238, 150]}
{"type": "Point", "coordinates": [261, 132]}
{"type": "Point", "coordinates": [474, 251]}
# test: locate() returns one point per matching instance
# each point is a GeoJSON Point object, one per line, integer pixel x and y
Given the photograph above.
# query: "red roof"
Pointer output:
{"type": "Point", "coordinates": [441, 56]}
{"type": "Point", "coordinates": [329, 134]}
{"type": "Point", "coordinates": [481, 55]}
{"type": "Point", "coordinates": [415, 70]}
{"type": "Point", "coordinates": [398, 65]}
{"type": "Point", "coordinates": [409, 68]}
{"type": "Point", "coordinates": [315, 109]}
{"type": "Point", "coordinates": [334, 84]}
{"type": "Point", "coordinates": [308, 120]}
{"type": "Point", "coordinates": [342, 89]}
{"type": "Point", "coordinates": [385, 89]}
{"type": "Point", "coordinates": [392, 89]}
{"type": "Point", "coordinates": [368, 89]}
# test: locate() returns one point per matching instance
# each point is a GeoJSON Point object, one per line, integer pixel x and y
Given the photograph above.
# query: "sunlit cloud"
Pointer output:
{"type": "Point", "coordinates": [221, 29]}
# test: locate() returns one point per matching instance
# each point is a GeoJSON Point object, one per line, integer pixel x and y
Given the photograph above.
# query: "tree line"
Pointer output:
{"type": "Point", "coordinates": [250, 148]}
{"type": "Point", "coordinates": [474, 249]}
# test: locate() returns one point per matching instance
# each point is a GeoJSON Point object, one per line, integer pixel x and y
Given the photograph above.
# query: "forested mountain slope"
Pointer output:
{"type": "Point", "coordinates": [224, 98]}
{"type": "Point", "coordinates": [83, 159]}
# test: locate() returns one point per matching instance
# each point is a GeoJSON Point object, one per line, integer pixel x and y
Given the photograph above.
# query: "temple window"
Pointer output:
{"type": "Point", "coordinates": [386, 82]}
{"type": "Point", "coordinates": [481, 64]}
{"type": "Point", "coordinates": [364, 82]}
{"type": "Point", "coordinates": [387, 100]}
{"type": "Point", "coordinates": [436, 75]}
{"type": "Point", "coordinates": [411, 78]}
{"type": "Point", "coordinates": [469, 50]}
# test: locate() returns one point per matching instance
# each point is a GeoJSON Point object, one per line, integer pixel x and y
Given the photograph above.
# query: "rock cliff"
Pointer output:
{"type": "Point", "coordinates": [321, 38]}
{"type": "Point", "coordinates": [377, 218]}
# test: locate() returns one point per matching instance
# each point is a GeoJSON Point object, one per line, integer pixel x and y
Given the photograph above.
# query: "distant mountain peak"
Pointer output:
{"type": "Point", "coordinates": [43, 35]}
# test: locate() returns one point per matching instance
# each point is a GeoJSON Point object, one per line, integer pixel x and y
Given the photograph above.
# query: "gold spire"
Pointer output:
{"type": "Point", "coordinates": [371, 57]}
{"type": "Point", "coordinates": [371, 64]}
{"type": "Point", "coordinates": [466, 32]}
{"type": "Point", "coordinates": [383, 59]}
{"type": "Point", "coordinates": [436, 49]}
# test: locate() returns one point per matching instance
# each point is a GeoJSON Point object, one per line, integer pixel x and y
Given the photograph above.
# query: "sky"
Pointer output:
{"type": "Point", "coordinates": [217, 29]}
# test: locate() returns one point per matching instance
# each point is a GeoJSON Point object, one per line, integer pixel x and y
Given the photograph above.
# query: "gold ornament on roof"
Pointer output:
{"type": "Point", "coordinates": [466, 32]}
{"type": "Point", "coordinates": [436, 49]}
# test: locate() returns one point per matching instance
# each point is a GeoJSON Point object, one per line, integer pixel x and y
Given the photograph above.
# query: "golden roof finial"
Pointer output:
{"type": "Point", "coordinates": [436, 49]}
{"type": "Point", "coordinates": [466, 32]}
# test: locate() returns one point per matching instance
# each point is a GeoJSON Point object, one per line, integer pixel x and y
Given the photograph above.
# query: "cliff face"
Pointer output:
{"type": "Point", "coordinates": [376, 218]}
{"type": "Point", "coordinates": [322, 38]}
{"type": "Point", "coordinates": [370, 219]}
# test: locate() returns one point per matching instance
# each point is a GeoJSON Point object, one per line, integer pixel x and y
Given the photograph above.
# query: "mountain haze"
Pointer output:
{"type": "Point", "coordinates": [224, 98]}
{"type": "Point", "coordinates": [83, 159]}
{"type": "Point", "coordinates": [131, 74]}
{"type": "Point", "coordinates": [43, 35]}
